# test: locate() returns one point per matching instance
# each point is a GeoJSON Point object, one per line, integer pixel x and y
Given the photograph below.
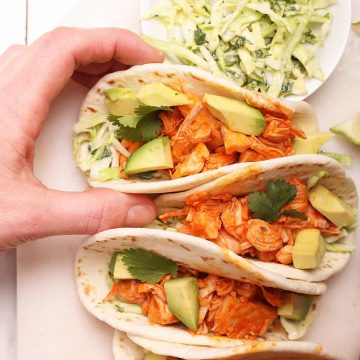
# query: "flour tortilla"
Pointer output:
{"type": "Point", "coordinates": [133, 348]}
{"type": "Point", "coordinates": [94, 255]}
{"type": "Point", "coordinates": [254, 177]}
{"type": "Point", "coordinates": [125, 349]}
{"type": "Point", "coordinates": [191, 80]}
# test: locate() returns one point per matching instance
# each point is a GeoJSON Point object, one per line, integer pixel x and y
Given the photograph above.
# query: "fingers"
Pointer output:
{"type": "Point", "coordinates": [30, 211]}
{"type": "Point", "coordinates": [52, 60]}
{"type": "Point", "coordinates": [102, 68]}
{"type": "Point", "coordinates": [89, 75]}
{"type": "Point", "coordinates": [10, 54]}
{"type": "Point", "coordinates": [96, 210]}
{"type": "Point", "coordinates": [102, 45]}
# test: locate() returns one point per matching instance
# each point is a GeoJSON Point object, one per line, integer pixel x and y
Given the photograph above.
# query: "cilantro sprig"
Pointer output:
{"type": "Point", "coordinates": [144, 125]}
{"type": "Point", "coordinates": [147, 266]}
{"type": "Point", "coordinates": [267, 205]}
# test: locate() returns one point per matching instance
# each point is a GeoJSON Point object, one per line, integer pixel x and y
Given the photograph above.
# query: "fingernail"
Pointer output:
{"type": "Point", "coordinates": [160, 54]}
{"type": "Point", "coordinates": [139, 215]}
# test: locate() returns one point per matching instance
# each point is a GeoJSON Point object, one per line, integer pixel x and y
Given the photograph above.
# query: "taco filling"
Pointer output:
{"type": "Point", "coordinates": [149, 284]}
{"type": "Point", "coordinates": [160, 133]}
{"type": "Point", "coordinates": [287, 222]}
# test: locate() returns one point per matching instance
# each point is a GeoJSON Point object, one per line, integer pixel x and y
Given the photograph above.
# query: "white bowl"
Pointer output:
{"type": "Point", "coordinates": [329, 55]}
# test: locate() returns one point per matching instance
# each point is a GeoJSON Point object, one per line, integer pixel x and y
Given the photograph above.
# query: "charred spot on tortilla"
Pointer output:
{"type": "Point", "coordinates": [198, 78]}
{"type": "Point", "coordinates": [207, 258]}
{"type": "Point", "coordinates": [184, 247]}
{"type": "Point", "coordinates": [87, 289]}
{"type": "Point", "coordinates": [79, 272]}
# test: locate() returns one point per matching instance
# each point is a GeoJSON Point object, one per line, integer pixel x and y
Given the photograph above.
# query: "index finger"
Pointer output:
{"type": "Point", "coordinates": [53, 58]}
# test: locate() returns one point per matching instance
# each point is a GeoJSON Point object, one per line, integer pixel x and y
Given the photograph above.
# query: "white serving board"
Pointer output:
{"type": "Point", "coordinates": [51, 322]}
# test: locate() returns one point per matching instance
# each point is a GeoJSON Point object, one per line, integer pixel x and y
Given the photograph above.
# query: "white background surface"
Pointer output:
{"type": "Point", "coordinates": [51, 322]}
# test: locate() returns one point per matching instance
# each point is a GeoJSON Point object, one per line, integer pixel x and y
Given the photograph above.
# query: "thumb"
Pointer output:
{"type": "Point", "coordinates": [30, 211]}
{"type": "Point", "coordinates": [94, 210]}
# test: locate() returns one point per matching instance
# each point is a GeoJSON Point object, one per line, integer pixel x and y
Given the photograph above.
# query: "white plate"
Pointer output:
{"type": "Point", "coordinates": [329, 55]}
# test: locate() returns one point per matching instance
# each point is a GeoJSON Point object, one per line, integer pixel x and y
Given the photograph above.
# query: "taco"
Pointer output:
{"type": "Point", "coordinates": [166, 286]}
{"type": "Point", "coordinates": [164, 128]}
{"type": "Point", "coordinates": [293, 216]}
{"type": "Point", "coordinates": [136, 348]}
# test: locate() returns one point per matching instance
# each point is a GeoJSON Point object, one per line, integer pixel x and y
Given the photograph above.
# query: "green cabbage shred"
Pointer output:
{"type": "Point", "coordinates": [264, 45]}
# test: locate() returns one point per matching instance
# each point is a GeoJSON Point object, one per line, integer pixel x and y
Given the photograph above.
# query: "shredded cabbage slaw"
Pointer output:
{"type": "Point", "coordinates": [264, 45]}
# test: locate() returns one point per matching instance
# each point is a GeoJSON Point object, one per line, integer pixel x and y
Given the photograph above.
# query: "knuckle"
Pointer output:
{"type": "Point", "coordinates": [95, 219]}
{"type": "Point", "coordinates": [13, 49]}
{"type": "Point", "coordinates": [56, 35]}
{"type": "Point", "coordinates": [106, 215]}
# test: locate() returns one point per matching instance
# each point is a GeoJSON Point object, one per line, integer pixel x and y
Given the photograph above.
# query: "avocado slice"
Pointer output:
{"type": "Point", "coordinates": [312, 144]}
{"type": "Point", "coordinates": [159, 94]}
{"type": "Point", "coordinates": [154, 155]}
{"type": "Point", "coordinates": [121, 271]}
{"type": "Point", "coordinates": [182, 298]}
{"type": "Point", "coordinates": [309, 249]}
{"type": "Point", "coordinates": [313, 180]}
{"type": "Point", "coordinates": [121, 101]}
{"type": "Point", "coordinates": [151, 356]}
{"type": "Point", "coordinates": [112, 264]}
{"type": "Point", "coordinates": [332, 207]}
{"type": "Point", "coordinates": [294, 306]}
{"type": "Point", "coordinates": [236, 115]}
{"type": "Point", "coordinates": [126, 307]}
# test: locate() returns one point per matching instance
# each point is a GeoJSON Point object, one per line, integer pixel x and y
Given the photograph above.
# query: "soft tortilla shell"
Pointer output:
{"type": "Point", "coordinates": [187, 79]}
{"type": "Point", "coordinates": [254, 177]}
{"type": "Point", "coordinates": [251, 350]}
{"type": "Point", "coordinates": [94, 256]}
{"type": "Point", "coordinates": [133, 348]}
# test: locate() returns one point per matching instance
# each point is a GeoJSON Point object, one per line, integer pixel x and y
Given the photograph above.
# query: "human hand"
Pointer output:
{"type": "Point", "coordinates": [30, 78]}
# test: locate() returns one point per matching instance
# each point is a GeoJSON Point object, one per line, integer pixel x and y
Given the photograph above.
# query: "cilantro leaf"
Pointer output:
{"type": "Point", "coordinates": [146, 130]}
{"type": "Point", "coordinates": [294, 213]}
{"type": "Point", "coordinates": [124, 120]}
{"type": "Point", "coordinates": [129, 120]}
{"type": "Point", "coordinates": [127, 133]}
{"type": "Point", "coordinates": [267, 205]}
{"type": "Point", "coordinates": [143, 125]}
{"type": "Point", "coordinates": [280, 192]}
{"type": "Point", "coordinates": [132, 120]}
{"type": "Point", "coordinates": [147, 266]}
{"type": "Point", "coordinates": [262, 208]}
{"type": "Point", "coordinates": [149, 127]}
{"type": "Point", "coordinates": [114, 119]}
